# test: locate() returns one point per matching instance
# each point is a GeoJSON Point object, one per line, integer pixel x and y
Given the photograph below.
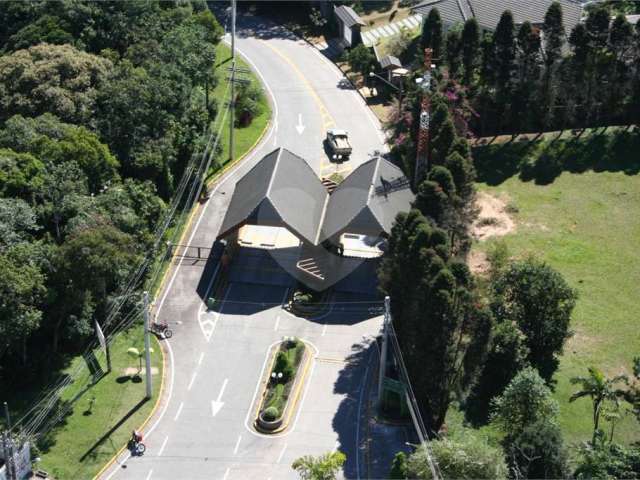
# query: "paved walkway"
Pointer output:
{"type": "Point", "coordinates": [370, 37]}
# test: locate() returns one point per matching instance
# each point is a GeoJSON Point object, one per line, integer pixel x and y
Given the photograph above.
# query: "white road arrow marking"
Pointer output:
{"type": "Point", "coordinates": [300, 127]}
{"type": "Point", "coordinates": [216, 405]}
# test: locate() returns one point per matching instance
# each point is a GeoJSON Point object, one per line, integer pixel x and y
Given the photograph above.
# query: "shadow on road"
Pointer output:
{"type": "Point", "coordinates": [349, 421]}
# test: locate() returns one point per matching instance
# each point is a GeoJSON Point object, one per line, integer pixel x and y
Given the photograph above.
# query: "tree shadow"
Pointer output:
{"type": "Point", "coordinates": [542, 161]}
{"type": "Point", "coordinates": [352, 382]}
{"type": "Point", "coordinates": [115, 427]}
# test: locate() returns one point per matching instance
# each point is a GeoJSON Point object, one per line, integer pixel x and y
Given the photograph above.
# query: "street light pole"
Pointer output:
{"type": "Point", "coordinates": [383, 353]}
{"type": "Point", "coordinates": [147, 346]}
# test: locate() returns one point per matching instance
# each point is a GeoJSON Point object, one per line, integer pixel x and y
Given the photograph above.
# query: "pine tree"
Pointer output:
{"type": "Point", "coordinates": [528, 42]}
{"type": "Point", "coordinates": [470, 49]}
{"type": "Point", "coordinates": [453, 49]}
{"type": "Point", "coordinates": [432, 33]}
{"type": "Point", "coordinates": [554, 35]}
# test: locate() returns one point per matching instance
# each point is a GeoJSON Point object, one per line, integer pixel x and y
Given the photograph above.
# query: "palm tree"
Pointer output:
{"type": "Point", "coordinates": [324, 467]}
{"type": "Point", "coordinates": [601, 389]}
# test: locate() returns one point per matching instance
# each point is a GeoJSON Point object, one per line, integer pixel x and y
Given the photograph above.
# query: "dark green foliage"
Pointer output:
{"type": "Point", "coordinates": [399, 467]}
{"type": "Point", "coordinates": [540, 302]}
{"type": "Point", "coordinates": [283, 365]}
{"type": "Point", "coordinates": [608, 460]}
{"type": "Point", "coordinates": [438, 320]}
{"type": "Point", "coordinates": [470, 49]}
{"type": "Point", "coordinates": [538, 451]}
{"type": "Point", "coordinates": [432, 33]}
{"type": "Point", "coordinates": [453, 49]}
{"type": "Point", "coordinates": [361, 59]}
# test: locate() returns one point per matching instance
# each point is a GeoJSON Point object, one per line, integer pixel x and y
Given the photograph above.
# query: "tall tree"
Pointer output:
{"type": "Point", "coordinates": [439, 320]}
{"type": "Point", "coordinates": [324, 467]}
{"type": "Point", "coordinates": [554, 38]}
{"type": "Point", "coordinates": [601, 390]}
{"type": "Point", "coordinates": [538, 299]}
{"type": "Point", "coordinates": [453, 50]}
{"type": "Point", "coordinates": [528, 59]}
{"type": "Point", "coordinates": [470, 49]}
{"type": "Point", "coordinates": [432, 33]}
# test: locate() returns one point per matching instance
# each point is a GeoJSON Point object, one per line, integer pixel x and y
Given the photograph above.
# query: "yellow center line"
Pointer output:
{"type": "Point", "coordinates": [327, 119]}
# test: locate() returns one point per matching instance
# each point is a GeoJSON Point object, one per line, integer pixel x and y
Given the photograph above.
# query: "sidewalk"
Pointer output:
{"type": "Point", "coordinates": [370, 37]}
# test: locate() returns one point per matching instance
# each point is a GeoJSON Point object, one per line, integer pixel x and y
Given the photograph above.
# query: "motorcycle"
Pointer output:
{"type": "Point", "coordinates": [161, 329]}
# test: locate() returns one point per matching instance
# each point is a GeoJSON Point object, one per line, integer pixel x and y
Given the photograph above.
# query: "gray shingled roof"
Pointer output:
{"type": "Point", "coordinates": [348, 16]}
{"type": "Point", "coordinates": [488, 12]}
{"type": "Point", "coordinates": [282, 189]}
{"type": "Point", "coordinates": [359, 205]}
{"type": "Point", "coordinates": [389, 61]}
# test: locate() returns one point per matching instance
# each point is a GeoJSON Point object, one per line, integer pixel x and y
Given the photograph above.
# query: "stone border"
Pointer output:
{"type": "Point", "coordinates": [281, 424]}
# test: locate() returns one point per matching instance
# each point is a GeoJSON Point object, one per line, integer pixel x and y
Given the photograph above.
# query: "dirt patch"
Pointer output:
{"type": "Point", "coordinates": [493, 219]}
{"type": "Point", "coordinates": [478, 263]}
{"type": "Point", "coordinates": [134, 371]}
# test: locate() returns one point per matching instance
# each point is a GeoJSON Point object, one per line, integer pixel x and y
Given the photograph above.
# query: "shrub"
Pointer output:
{"type": "Point", "coordinates": [283, 365]}
{"type": "Point", "coordinates": [270, 414]}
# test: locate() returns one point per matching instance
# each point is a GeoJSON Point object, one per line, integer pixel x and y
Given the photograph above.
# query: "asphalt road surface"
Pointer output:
{"type": "Point", "coordinates": [202, 429]}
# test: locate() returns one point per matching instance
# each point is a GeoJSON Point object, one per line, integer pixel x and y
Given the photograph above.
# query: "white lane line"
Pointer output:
{"type": "Point", "coordinates": [179, 411]}
{"type": "Point", "coordinates": [226, 474]}
{"type": "Point", "coordinates": [149, 475]}
{"type": "Point", "coordinates": [324, 329]}
{"type": "Point", "coordinates": [275, 327]}
{"type": "Point", "coordinates": [281, 453]}
{"type": "Point", "coordinates": [200, 359]}
{"type": "Point", "coordinates": [164, 444]}
{"type": "Point", "coordinates": [235, 450]}
{"type": "Point", "coordinates": [193, 378]}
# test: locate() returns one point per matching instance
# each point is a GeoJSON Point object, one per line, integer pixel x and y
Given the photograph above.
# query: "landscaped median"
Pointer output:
{"type": "Point", "coordinates": [282, 385]}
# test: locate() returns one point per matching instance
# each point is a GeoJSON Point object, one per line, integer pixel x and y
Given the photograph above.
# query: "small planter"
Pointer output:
{"type": "Point", "coordinates": [282, 385]}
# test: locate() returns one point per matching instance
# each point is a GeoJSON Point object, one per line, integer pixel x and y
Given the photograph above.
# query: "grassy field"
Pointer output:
{"type": "Point", "coordinates": [245, 137]}
{"type": "Point", "coordinates": [104, 415]}
{"type": "Point", "coordinates": [580, 214]}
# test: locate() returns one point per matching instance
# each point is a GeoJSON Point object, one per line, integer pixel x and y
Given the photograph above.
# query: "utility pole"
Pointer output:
{"type": "Point", "coordinates": [422, 152]}
{"type": "Point", "coordinates": [232, 103]}
{"type": "Point", "coordinates": [383, 350]}
{"type": "Point", "coordinates": [147, 346]}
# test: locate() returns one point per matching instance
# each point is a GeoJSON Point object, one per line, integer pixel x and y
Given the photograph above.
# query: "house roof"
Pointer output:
{"type": "Point", "coordinates": [389, 61]}
{"type": "Point", "coordinates": [348, 16]}
{"type": "Point", "coordinates": [362, 204]}
{"type": "Point", "coordinates": [282, 189]}
{"type": "Point", "coordinates": [488, 12]}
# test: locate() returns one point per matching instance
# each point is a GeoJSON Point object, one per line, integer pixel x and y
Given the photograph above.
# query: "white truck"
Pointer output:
{"type": "Point", "coordinates": [338, 143]}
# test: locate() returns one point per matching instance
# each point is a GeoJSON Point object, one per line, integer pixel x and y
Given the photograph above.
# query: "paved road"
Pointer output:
{"type": "Point", "coordinates": [219, 356]}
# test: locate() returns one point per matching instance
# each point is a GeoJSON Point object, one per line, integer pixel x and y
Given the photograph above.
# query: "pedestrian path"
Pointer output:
{"type": "Point", "coordinates": [370, 37]}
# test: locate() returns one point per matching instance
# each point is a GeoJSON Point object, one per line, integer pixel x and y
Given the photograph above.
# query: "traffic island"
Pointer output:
{"type": "Point", "coordinates": [282, 385]}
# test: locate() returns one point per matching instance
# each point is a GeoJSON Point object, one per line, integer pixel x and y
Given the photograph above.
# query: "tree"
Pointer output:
{"type": "Point", "coordinates": [467, 455]}
{"type": "Point", "coordinates": [507, 356]}
{"type": "Point", "coordinates": [67, 85]}
{"type": "Point", "coordinates": [432, 33]}
{"type": "Point", "coordinates": [17, 222]}
{"type": "Point", "coordinates": [538, 451]}
{"type": "Point", "coordinates": [20, 174]}
{"type": "Point", "coordinates": [505, 54]}
{"type": "Point", "coordinates": [248, 103]}
{"type": "Point", "coordinates": [324, 467]}
{"type": "Point", "coordinates": [453, 49]}
{"type": "Point", "coordinates": [470, 49]}
{"type": "Point", "coordinates": [361, 59]}
{"type": "Point", "coordinates": [601, 390]}
{"type": "Point", "coordinates": [554, 37]}
{"type": "Point", "coordinates": [633, 394]}
{"type": "Point", "coordinates": [442, 327]}
{"type": "Point", "coordinates": [525, 401]}
{"type": "Point", "coordinates": [528, 42]}
{"type": "Point", "coordinates": [399, 468]}
{"type": "Point", "coordinates": [608, 460]}
{"type": "Point", "coordinates": [538, 299]}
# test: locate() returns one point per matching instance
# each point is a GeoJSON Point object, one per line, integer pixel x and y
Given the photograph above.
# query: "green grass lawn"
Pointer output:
{"type": "Point", "coordinates": [245, 137]}
{"type": "Point", "coordinates": [104, 415]}
{"type": "Point", "coordinates": [585, 222]}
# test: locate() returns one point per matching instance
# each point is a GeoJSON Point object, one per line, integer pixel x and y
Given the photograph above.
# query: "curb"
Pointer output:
{"type": "Point", "coordinates": [113, 459]}
{"type": "Point", "coordinates": [292, 403]}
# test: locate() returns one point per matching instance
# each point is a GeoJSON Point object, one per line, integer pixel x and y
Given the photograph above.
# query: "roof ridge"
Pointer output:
{"type": "Point", "coordinates": [274, 172]}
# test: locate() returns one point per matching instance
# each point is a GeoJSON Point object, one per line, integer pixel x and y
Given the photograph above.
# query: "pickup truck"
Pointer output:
{"type": "Point", "coordinates": [338, 142]}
